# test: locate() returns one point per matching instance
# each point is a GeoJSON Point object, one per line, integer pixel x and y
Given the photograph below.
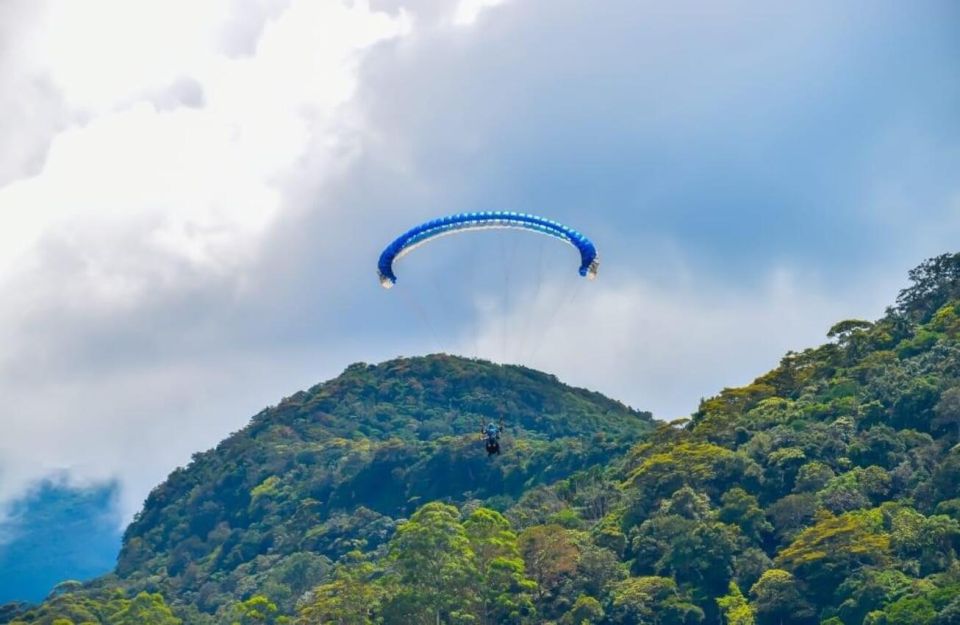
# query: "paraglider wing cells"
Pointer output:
{"type": "Point", "coordinates": [462, 222]}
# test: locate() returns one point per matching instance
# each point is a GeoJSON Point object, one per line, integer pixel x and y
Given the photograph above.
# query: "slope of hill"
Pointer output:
{"type": "Point", "coordinates": [827, 492]}
{"type": "Point", "coordinates": [335, 467]}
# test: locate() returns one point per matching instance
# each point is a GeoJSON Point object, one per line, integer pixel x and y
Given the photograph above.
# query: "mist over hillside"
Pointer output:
{"type": "Point", "coordinates": [57, 532]}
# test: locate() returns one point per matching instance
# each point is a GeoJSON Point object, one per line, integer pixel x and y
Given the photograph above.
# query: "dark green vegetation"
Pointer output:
{"type": "Point", "coordinates": [826, 492]}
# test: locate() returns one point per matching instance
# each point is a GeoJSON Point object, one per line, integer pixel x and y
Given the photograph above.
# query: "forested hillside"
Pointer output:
{"type": "Point", "coordinates": [827, 492]}
{"type": "Point", "coordinates": [334, 468]}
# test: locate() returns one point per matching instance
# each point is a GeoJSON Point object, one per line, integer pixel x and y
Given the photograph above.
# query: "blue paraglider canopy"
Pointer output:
{"type": "Point", "coordinates": [462, 222]}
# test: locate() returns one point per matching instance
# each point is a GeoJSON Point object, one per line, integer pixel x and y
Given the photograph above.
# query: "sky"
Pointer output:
{"type": "Point", "coordinates": [193, 197]}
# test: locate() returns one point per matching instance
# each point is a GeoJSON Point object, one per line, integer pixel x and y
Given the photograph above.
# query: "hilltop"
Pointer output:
{"type": "Point", "coordinates": [336, 466]}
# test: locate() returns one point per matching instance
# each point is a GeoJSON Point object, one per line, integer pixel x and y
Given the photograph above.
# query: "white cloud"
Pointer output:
{"type": "Point", "coordinates": [106, 52]}
{"type": "Point", "coordinates": [157, 185]}
{"type": "Point", "coordinates": [31, 109]}
{"type": "Point", "coordinates": [208, 174]}
{"type": "Point", "coordinates": [662, 347]}
{"type": "Point", "coordinates": [183, 170]}
{"type": "Point", "coordinates": [468, 11]}
{"type": "Point", "coordinates": [132, 425]}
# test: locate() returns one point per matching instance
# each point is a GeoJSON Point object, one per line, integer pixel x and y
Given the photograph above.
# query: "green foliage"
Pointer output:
{"type": "Point", "coordinates": [144, 609]}
{"type": "Point", "coordinates": [551, 553]}
{"type": "Point", "coordinates": [586, 611]}
{"type": "Point", "coordinates": [100, 608]}
{"type": "Point", "coordinates": [684, 541]}
{"type": "Point", "coordinates": [433, 567]}
{"type": "Point", "coordinates": [332, 469]}
{"type": "Point", "coordinates": [702, 466]}
{"type": "Point", "coordinates": [947, 413]}
{"type": "Point", "coordinates": [257, 610]}
{"type": "Point", "coordinates": [654, 600]}
{"type": "Point", "coordinates": [909, 611]}
{"type": "Point", "coordinates": [735, 608]}
{"type": "Point", "coordinates": [924, 545]}
{"type": "Point", "coordinates": [868, 590]}
{"type": "Point", "coordinates": [935, 282]}
{"type": "Point", "coordinates": [436, 568]}
{"type": "Point", "coordinates": [834, 547]}
{"type": "Point", "coordinates": [351, 598]}
{"type": "Point", "coordinates": [742, 509]}
{"type": "Point", "coordinates": [778, 600]}
{"type": "Point", "coordinates": [503, 590]}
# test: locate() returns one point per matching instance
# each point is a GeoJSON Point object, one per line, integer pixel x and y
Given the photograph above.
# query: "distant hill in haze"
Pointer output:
{"type": "Point", "coordinates": [56, 533]}
{"type": "Point", "coordinates": [826, 492]}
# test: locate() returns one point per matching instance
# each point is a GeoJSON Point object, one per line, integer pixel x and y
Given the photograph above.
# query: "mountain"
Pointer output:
{"type": "Point", "coordinates": [334, 468]}
{"type": "Point", "coordinates": [826, 492]}
{"type": "Point", "coordinates": [56, 532]}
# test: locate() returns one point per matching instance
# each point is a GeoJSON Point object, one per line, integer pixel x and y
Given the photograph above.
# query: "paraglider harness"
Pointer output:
{"type": "Point", "coordinates": [491, 434]}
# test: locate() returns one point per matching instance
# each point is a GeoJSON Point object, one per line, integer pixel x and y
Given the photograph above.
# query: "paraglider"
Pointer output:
{"type": "Point", "coordinates": [492, 435]}
{"type": "Point", "coordinates": [463, 222]}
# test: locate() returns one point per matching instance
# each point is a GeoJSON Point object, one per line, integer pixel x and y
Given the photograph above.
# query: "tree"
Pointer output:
{"type": "Point", "coordinates": [686, 503]}
{"type": "Point", "coordinates": [735, 608]}
{"type": "Point", "coordinates": [258, 610]}
{"type": "Point", "coordinates": [855, 489]}
{"type": "Point", "coordinates": [778, 601]}
{"type": "Point", "coordinates": [927, 541]}
{"type": "Point", "coordinates": [585, 611]}
{"type": "Point", "coordinates": [749, 565]}
{"type": "Point", "coordinates": [742, 509]}
{"type": "Point", "coordinates": [828, 552]}
{"type": "Point", "coordinates": [550, 553]}
{"type": "Point", "coordinates": [502, 587]}
{"type": "Point", "coordinates": [935, 282]}
{"type": "Point", "coordinates": [704, 556]}
{"type": "Point", "coordinates": [652, 600]}
{"type": "Point", "coordinates": [598, 568]}
{"type": "Point", "coordinates": [851, 336]}
{"type": "Point", "coordinates": [698, 552]}
{"type": "Point", "coordinates": [812, 477]}
{"type": "Point", "coordinates": [790, 514]}
{"type": "Point", "coordinates": [708, 468]}
{"type": "Point", "coordinates": [947, 320]}
{"type": "Point", "coordinates": [144, 609]}
{"type": "Point", "coordinates": [351, 598]}
{"type": "Point", "coordinates": [433, 567]}
{"type": "Point", "coordinates": [910, 611]}
{"type": "Point", "coordinates": [591, 492]}
{"type": "Point", "coordinates": [949, 615]}
{"type": "Point", "coordinates": [842, 330]}
{"type": "Point", "coordinates": [868, 590]}
{"type": "Point", "coordinates": [947, 411]}
{"type": "Point", "coordinates": [915, 404]}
